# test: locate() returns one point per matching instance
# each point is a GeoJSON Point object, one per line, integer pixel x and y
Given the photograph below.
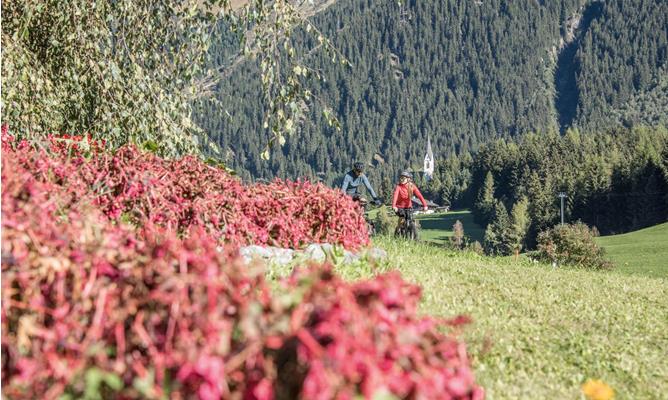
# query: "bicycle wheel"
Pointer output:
{"type": "Point", "coordinates": [413, 232]}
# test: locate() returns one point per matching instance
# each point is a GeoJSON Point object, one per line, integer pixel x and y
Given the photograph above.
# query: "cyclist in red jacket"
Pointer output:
{"type": "Point", "coordinates": [404, 191]}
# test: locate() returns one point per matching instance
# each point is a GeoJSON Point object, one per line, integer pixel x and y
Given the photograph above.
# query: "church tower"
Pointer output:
{"type": "Point", "coordinates": [428, 161]}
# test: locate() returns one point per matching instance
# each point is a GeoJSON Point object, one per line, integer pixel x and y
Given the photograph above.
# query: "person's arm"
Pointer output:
{"type": "Point", "coordinates": [419, 195]}
{"type": "Point", "coordinates": [346, 181]}
{"type": "Point", "coordinates": [368, 186]}
{"type": "Point", "coordinates": [395, 196]}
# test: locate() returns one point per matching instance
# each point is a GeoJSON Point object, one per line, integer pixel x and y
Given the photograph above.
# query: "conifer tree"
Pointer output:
{"type": "Point", "coordinates": [520, 223]}
{"type": "Point", "coordinates": [541, 204]}
{"type": "Point", "coordinates": [498, 233]}
{"type": "Point", "coordinates": [484, 206]}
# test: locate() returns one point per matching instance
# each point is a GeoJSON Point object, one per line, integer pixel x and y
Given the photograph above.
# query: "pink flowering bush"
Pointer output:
{"type": "Point", "coordinates": [366, 339]}
{"type": "Point", "coordinates": [94, 307]}
{"type": "Point", "coordinates": [177, 194]}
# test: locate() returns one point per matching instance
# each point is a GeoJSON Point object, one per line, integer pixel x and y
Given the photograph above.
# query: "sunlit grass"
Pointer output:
{"type": "Point", "coordinates": [437, 228]}
{"type": "Point", "coordinates": [539, 332]}
{"type": "Point", "coordinates": [642, 252]}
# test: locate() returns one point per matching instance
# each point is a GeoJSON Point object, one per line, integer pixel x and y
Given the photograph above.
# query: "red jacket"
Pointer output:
{"type": "Point", "coordinates": [402, 199]}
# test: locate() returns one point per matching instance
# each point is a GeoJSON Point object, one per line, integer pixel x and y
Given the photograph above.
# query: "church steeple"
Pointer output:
{"type": "Point", "coordinates": [428, 161]}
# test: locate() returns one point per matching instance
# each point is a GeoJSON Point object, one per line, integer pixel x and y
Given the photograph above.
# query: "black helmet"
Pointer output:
{"type": "Point", "coordinates": [407, 174]}
{"type": "Point", "coordinates": [358, 166]}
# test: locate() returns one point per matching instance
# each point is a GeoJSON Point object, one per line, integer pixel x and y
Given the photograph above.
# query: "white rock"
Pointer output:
{"type": "Point", "coordinates": [376, 253]}
{"type": "Point", "coordinates": [271, 254]}
{"type": "Point", "coordinates": [317, 252]}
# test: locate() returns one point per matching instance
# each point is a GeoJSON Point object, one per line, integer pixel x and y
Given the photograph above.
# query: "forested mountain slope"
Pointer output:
{"type": "Point", "coordinates": [460, 72]}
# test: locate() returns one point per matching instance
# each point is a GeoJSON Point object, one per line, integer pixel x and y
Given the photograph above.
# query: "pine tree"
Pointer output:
{"type": "Point", "coordinates": [520, 223]}
{"type": "Point", "coordinates": [434, 187]}
{"type": "Point", "coordinates": [498, 240]}
{"type": "Point", "coordinates": [542, 209]}
{"type": "Point", "coordinates": [484, 206]}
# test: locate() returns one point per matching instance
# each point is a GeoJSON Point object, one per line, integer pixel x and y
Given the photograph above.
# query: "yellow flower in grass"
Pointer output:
{"type": "Point", "coordinates": [596, 389]}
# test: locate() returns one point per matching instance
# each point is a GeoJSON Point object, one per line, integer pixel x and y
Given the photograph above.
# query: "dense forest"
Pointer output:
{"type": "Point", "coordinates": [616, 181]}
{"type": "Point", "coordinates": [460, 72]}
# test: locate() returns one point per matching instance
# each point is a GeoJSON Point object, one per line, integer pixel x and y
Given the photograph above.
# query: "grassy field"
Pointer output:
{"type": "Point", "coordinates": [437, 228]}
{"type": "Point", "coordinates": [539, 333]}
{"type": "Point", "coordinates": [642, 252]}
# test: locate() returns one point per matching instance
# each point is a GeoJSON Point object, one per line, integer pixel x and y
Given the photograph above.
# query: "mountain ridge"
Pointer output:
{"type": "Point", "coordinates": [480, 71]}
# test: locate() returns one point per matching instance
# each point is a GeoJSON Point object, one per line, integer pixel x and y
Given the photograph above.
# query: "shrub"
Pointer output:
{"type": "Point", "coordinates": [457, 239]}
{"type": "Point", "coordinates": [365, 338]}
{"type": "Point", "coordinates": [146, 189]}
{"type": "Point", "coordinates": [572, 244]}
{"type": "Point", "coordinates": [383, 223]}
{"type": "Point", "coordinates": [476, 247]}
{"type": "Point", "coordinates": [95, 308]}
{"type": "Point", "coordinates": [294, 214]}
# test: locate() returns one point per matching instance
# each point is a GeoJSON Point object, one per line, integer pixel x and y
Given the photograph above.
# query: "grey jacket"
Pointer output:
{"type": "Point", "coordinates": [351, 184]}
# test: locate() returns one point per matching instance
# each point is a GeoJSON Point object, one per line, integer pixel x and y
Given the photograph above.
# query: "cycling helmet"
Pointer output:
{"type": "Point", "coordinates": [358, 166]}
{"type": "Point", "coordinates": [407, 174]}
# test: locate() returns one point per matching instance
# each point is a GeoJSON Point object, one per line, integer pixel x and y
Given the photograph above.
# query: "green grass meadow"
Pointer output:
{"type": "Point", "coordinates": [643, 252]}
{"type": "Point", "coordinates": [437, 228]}
{"type": "Point", "coordinates": [541, 332]}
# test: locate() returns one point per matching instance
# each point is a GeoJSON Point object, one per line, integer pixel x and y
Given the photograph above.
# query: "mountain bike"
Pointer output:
{"type": "Point", "coordinates": [407, 226]}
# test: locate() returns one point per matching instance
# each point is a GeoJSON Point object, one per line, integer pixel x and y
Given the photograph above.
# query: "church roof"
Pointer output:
{"type": "Point", "coordinates": [429, 152]}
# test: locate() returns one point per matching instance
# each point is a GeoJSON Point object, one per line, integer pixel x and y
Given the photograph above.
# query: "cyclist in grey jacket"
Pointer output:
{"type": "Point", "coordinates": [354, 179]}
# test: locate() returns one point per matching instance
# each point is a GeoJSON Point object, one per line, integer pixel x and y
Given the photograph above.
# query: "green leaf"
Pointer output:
{"type": "Point", "coordinates": [384, 394]}
{"type": "Point", "coordinates": [94, 377]}
{"type": "Point", "coordinates": [113, 381]}
{"type": "Point", "coordinates": [150, 146]}
{"type": "Point", "coordinates": [145, 385]}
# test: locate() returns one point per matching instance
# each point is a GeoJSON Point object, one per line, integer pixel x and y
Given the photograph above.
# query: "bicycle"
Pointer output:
{"type": "Point", "coordinates": [407, 226]}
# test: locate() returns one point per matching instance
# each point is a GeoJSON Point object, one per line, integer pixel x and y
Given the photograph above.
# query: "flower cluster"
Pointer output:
{"type": "Point", "coordinates": [95, 307]}
{"type": "Point", "coordinates": [145, 189]}
{"type": "Point", "coordinates": [366, 338]}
